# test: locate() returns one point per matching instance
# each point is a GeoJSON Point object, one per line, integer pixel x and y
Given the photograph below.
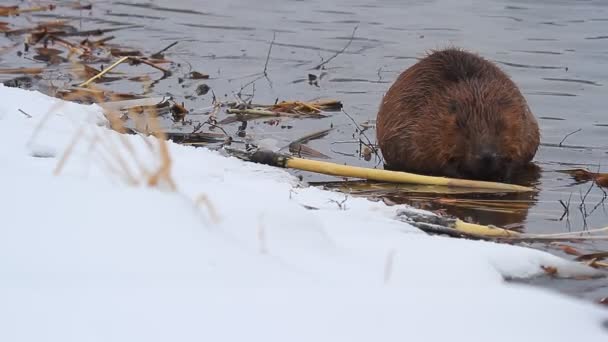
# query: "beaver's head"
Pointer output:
{"type": "Point", "coordinates": [485, 124]}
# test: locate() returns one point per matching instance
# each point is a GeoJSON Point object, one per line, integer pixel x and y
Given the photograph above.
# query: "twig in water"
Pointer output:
{"type": "Point", "coordinates": [380, 73]}
{"type": "Point", "coordinates": [566, 212]}
{"type": "Point", "coordinates": [583, 206]}
{"type": "Point", "coordinates": [344, 153]}
{"type": "Point", "coordinates": [601, 202]}
{"type": "Point", "coordinates": [135, 61]}
{"type": "Point", "coordinates": [339, 52]}
{"type": "Point", "coordinates": [159, 54]}
{"type": "Point", "coordinates": [264, 73]}
{"type": "Point", "coordinates": [197, 127]}
{"type": "Point", "coordinates": [361, 132]}
{"type": "Point", "coordinates": [567, 135]}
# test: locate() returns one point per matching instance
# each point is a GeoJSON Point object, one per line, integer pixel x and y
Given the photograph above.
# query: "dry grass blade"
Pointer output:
{"type": "Point", "coordinates": [299, 148]}
{"type": "Point", "coordinates": [582, 175]}
{"type": "Point", "coordinates": [81, 95]}
{"type": "Point", "coordinates": [4, 27]}
{"type": "Point", "coordinates": [313, 136]}
{"type": "Point", "coordinates": [300, 107]}
{"type": "Point", "coordinates": [260, 112]}
{"type": "Point", "coordinates": [6, 11]}
{"type": "Point", "coordinates": [593, 256]}
{"type": "Point", "coordinates": [163, 173]}
{"type": "Point", "coordinates": [76, 49]}
{"type": "Point", "coordinates": [27, 71]}
{"type": "Point", "coordinates": [202, 199]}
{"type": "Point", "coordinates": [302, 150]}
{"type": "Point", "coordinates": [68, 151]}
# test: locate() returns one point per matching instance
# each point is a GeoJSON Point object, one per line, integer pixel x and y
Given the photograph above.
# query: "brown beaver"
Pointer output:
{"type": "Point", "coordinates": [456, 114]}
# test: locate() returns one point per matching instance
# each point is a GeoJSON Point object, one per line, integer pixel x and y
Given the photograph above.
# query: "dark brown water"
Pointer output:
{"type": "Point", "coordinates": [556, 51]}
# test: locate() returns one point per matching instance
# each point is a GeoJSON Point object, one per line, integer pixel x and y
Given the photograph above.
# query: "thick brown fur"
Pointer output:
{"type": "Point", "coordinates": [456, 114]}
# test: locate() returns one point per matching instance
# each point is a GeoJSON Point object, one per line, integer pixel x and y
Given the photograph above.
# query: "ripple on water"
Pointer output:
{"type": "Point", "coordinates": [131, 15]}
{"type": "Point", "coordinates": [346, 22]}
{"type": "Point", "coordinates": [220, 27]}
{"type": "Point", "coordinates": [335, 12]}
{"type": "Point", "coordinates": [549, 93]}
{"type": "Point", "coordinates": [356, 80]}
{"type": "Point", "coordinates": [517, 8]}
{"type": "Point", "coordinates": [572, 80]}
{"type": "Point", "coordinates": [162, 9]}
{"type": "Point", "coordinates": [540, 52]}
{"type": "Point", "coordinates": [504, 16]}
{"type": "Point", "coordinates": [529, 66]}
{"type": "Point", "coordinates": [551, 118]}
{"type": "Point", "coordinates": [551, 23]}
{"type": "Point", "coordinates": [542, 39]}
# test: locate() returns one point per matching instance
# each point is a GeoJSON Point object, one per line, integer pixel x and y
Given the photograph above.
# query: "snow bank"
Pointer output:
{"type": "Point", "coordinates": [84, 257]}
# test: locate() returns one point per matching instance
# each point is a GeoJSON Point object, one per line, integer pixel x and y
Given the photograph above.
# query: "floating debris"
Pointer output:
{"type": "Point", "coordinates": [582, 175]}
{"type": "Point", "coordinates": [195, 75]}
{"type": "Point", "coordinates": [202, 89]}
{"type": "Point", "coordinates": [286, 108]}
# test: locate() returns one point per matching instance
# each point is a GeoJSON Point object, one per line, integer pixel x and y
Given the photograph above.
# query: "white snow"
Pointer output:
{"type": "Point", "coordinates": [86, 257]}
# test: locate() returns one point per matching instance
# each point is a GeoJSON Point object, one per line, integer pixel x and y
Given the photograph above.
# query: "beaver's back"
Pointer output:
{"type": "Point", "coordinates": [414, 124]}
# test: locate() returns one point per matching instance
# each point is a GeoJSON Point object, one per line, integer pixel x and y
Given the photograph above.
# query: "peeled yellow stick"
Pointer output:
{"type": "Point", "coordinates": [106, 70]}
{"type": "Point", "coordinates": [479, 229]}
{"type": "Point", "coordinates": [394, 176]}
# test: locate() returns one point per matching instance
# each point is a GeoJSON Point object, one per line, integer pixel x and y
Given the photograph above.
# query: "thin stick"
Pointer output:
{"type": "Point", "coordinates": [104, 71]}
{"type": "Point", "coordinates": [165, 49]}
{"type": "Point", "coordinates": [264, 73]}
{"type": "Point", "coordinates": [567, 135]}
{"type": "Point", "coordinates": [24, 113]}
{"type": "Point", "coordinates": [361, 132]}
{"type": "Point", "coordinates": [339, 52]}
{"type": "Point", "coordinates": [139, 60]}
{"type": "Point", "coordinates": [268, 55]}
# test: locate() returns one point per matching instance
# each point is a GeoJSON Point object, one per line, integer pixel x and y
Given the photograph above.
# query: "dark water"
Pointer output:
{"type": "Point", "coordinates": [556, 51]}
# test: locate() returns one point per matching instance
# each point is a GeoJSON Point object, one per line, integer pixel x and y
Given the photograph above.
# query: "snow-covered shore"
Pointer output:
{"type": "Point", "coordinates": [86, 257]}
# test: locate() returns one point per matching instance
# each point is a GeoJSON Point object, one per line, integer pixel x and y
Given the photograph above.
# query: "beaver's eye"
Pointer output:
{"type": "Point", "coordinates": [452, 106]}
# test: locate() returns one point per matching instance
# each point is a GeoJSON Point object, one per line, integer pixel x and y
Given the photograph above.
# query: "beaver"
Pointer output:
{"type": "Point", "coordinates": [456, 114]}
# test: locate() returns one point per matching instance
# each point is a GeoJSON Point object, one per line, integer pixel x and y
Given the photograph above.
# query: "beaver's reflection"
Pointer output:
{"type": "Point", "coordinates": [500, 209]}
{"type": "Point", "coordinates": [508, 210]}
